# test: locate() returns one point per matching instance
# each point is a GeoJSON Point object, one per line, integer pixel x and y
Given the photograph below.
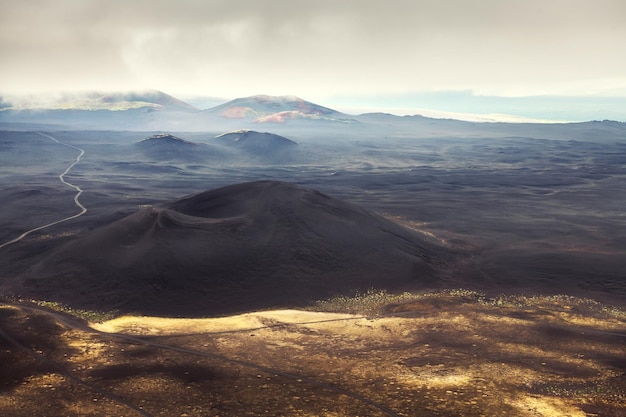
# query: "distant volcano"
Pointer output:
{"type": "Point", "coordinates": [114, 101]}
{"type": "Point", "coordinates": [146, 110]}
{"type": "Point", "coordinates": [274, 109]}
{"type": "Point", "coordinates": [239, 248]}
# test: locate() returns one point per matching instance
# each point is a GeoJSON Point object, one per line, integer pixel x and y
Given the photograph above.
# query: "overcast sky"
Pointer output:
{"type": "Point", "coordinates": [346, 51]}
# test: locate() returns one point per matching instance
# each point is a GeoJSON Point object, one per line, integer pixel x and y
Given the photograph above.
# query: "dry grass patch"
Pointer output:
{"type": "Point", "coordinates": [446, 353]}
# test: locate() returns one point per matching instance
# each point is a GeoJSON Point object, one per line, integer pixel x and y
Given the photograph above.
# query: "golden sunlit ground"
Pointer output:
{"type": "Point", "coordinates": [446, 354]}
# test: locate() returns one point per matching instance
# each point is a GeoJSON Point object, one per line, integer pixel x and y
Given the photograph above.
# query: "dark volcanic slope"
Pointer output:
{"type": "Point", "coordinates": [243, 247]}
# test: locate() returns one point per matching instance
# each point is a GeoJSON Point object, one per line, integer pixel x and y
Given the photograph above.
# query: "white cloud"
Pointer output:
{"type": "Point", "coordinates": [315, 49]}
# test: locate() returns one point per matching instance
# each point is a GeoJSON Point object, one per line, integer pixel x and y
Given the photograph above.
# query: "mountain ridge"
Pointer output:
{"type": "Point", "coordinates": [154, 110]}
{"type": "Point", "coordinates": [93, 100]}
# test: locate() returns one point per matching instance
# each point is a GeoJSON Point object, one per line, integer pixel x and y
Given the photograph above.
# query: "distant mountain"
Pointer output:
{"type": "Point", "coordinates": [154, 110]}
{"type": "Point", "coordinates": [244, 247]}
{"type": "Point", "coordinates": [150, 110]}
{"type": "Point", "coordinates": [274, 109]}
{"type": "Point", "coordinates": [93, 101]}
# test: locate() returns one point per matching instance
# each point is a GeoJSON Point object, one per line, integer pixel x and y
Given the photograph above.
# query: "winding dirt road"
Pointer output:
{"type": "Point", "coordinates": [79, 191]}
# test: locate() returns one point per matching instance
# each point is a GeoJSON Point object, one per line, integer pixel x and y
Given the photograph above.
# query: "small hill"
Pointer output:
{"type": "Point", "coordinates": [165, 139]}
{"type": "Point", "coordinates": [239, 248]}
{"type": "Point", "coordinates": [255, 141]}
{"type": "Point", "coordinates": [170, 147]}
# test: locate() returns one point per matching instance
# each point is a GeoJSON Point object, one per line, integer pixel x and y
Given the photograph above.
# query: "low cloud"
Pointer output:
{"type": "Point", "coordinates": [235, 48]}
